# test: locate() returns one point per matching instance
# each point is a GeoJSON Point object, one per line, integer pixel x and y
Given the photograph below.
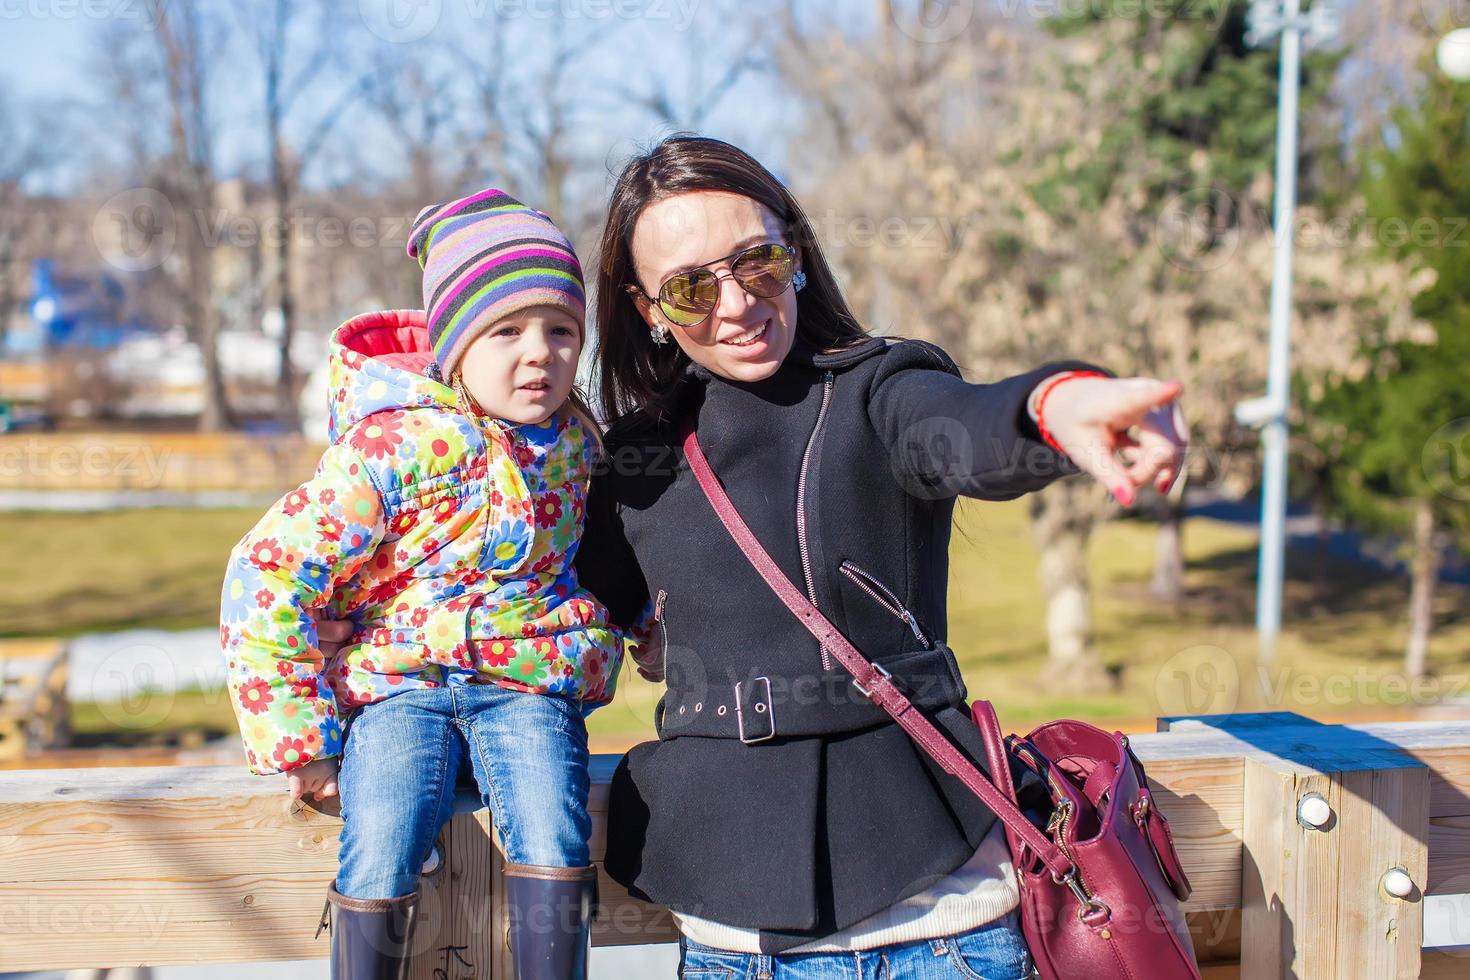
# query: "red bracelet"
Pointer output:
{"type": "Point", "coordinates": [1047, 386]}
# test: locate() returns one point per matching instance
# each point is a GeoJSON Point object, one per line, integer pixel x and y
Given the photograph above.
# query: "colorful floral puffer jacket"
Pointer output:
{"type": "Point", "coordinates": [447, 540]}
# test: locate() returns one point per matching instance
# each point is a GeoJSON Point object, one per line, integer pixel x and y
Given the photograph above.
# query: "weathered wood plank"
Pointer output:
{"type": "Point", "coordinates": [1384, 815]}
{"type": "Point", "coordinates": [1449, 855]}
{"type": "Point", "coordinates": [159, 921]}
{"type": "Point", "coordinates": [455, 932]}
{"type": "Point", "coordinates": [1266, 883]}
{"type": "Point", "coordinates": [1216, 935]}
{"type": "Point", "coordinates": [172, 888]}
{"type": "Point", "coordinates": [1202, 800]}
{"type": "Point", "coordinates": [1445, 966]}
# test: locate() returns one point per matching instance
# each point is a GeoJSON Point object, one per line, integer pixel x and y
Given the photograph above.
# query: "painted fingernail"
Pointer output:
{"type": "Point", "coordinates": [1124, 496]}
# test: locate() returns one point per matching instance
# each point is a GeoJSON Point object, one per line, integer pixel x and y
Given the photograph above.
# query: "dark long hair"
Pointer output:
{"type": "Point", "coordinates": [636, 373]}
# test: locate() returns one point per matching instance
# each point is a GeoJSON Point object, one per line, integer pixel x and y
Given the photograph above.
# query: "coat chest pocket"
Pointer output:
{"type": "Point", "coordinates": [884, 596]}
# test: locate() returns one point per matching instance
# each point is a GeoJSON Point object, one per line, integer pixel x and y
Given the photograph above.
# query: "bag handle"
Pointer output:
{"type": "Point", "coordinates": [869, 678]}
{"type": "Point", "coordinates": [983, 713]}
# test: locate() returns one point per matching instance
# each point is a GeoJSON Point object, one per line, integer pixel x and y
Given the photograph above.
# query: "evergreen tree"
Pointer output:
{"type": "Point", "coordinates": [1400, 436]}
{"type": "Point", "coordinates": [1197, 111]}
{"type": "Point", "coordinates": [1190, 146]}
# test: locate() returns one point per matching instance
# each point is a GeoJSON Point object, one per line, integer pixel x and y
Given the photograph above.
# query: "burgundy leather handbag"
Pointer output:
{"type": "Point", "coordinates": [1100, 884]}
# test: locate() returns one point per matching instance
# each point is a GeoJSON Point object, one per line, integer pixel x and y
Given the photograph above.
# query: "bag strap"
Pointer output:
{"type": "Point", "coordinates": [869, 678]}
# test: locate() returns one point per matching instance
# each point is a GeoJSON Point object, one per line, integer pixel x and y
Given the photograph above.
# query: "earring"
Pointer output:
{"type": "Point", "coordinates": [799, 280]}
{"type": "Point", "coordinates": [659, 334]}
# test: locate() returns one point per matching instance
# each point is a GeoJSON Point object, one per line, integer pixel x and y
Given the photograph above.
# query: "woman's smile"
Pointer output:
{"type": "Point", "coordinates": [748, 338]}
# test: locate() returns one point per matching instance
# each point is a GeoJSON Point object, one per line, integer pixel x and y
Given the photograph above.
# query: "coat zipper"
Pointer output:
{"type": "Point", "coordinates": [886, 599]}
{"type": "Point", "coordinates": [658, 616]}
{"type": "Point", "coordinates": [806, 459]}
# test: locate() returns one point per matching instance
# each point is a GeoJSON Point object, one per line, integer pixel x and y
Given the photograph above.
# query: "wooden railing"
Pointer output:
{"type": "Point", "coordinates": [210, 864]}
{"type": "Point", "coordinates": [180, 462]}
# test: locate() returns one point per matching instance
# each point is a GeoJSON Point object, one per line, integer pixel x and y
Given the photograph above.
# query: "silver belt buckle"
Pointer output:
{"type": "Point", "coordinates": [740, 712]}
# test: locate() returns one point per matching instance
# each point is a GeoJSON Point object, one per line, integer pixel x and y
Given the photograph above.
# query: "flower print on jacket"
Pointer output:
{"type": "Point", "coordinates": [447, 541]}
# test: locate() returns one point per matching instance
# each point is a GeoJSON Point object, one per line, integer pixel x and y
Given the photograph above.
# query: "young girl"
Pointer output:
{"type": "Point", "coordinates": [441, 523]}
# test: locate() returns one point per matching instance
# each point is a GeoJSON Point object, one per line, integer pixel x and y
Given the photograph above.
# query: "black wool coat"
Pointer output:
{"type": "Point", "coordinates": [776, 797]}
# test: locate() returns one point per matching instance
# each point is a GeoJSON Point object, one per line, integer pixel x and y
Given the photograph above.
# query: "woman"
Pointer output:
{"type": "Point", "coordinates": [791, 826]}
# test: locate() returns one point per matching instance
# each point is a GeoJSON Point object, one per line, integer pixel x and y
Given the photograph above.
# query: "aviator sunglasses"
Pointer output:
{"type": "Point", "coordinates": [688, 298]}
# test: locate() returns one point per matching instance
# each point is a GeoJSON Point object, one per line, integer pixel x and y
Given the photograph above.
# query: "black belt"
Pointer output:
{"type": "Point", "coordinates": [764, 706]}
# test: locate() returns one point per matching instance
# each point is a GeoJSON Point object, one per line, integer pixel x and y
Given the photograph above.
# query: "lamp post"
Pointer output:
{"type": "Point", "coordinates": [1269, 19]}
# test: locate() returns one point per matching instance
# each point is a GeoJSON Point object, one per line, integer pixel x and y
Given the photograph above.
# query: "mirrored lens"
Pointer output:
{"type": "Point", "coordinates": [765, 270]}
{"type": "Point", "coordinates": [689, 297]}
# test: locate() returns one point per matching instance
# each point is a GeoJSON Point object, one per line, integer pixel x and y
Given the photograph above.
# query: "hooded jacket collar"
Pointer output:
{"type": "Point", "coordinates": [380, 362]}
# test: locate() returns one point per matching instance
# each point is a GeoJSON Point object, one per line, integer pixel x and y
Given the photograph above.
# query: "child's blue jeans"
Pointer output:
{"type": "Point", "coordinates": [402, 757]}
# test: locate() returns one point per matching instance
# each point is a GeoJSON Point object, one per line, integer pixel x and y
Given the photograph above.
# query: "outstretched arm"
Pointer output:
{"type": "Point", "coordinates": [948, 437]}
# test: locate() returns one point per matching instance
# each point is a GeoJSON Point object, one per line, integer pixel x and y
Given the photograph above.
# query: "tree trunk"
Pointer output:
{"type": "Point", "coordinates": [1062, 519]}
{"type": "Point", "coordinates": [7, 295]}
{"type": "Point", "coordinates": [1168, 582]}
{"type": "Point", "coordinates": [215, 415]}
{"type": "Point", "coordinates": [286, 411]}
{"type": "Point", "coordinates": [1425, 574]}
{"type": "Point", "coordinates": [1320, 583]}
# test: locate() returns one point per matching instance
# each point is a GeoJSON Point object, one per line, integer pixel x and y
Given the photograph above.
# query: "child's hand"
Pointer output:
{"type": "Point", "coordinates": [318, 778]}
{"type": "Point", "coordinates": [331, 634]}
{"type": "Point", "coordinates": [649, 655]}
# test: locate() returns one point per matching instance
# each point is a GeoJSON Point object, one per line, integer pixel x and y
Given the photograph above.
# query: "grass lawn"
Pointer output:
{"type": "Point", "coordinates": [73, 573]}
{"type": "Point", "coordinates": [1343, 641]}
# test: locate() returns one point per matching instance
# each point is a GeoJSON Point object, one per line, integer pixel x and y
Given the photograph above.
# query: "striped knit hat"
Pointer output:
{"type": "Point", "coordinates": [484, 257]}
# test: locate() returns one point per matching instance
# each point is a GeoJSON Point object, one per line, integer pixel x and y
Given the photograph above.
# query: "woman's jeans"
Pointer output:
{"type": "Point", "coordinates": [994, 951]}
{"type": "Point", "coordinates": [403, 755]}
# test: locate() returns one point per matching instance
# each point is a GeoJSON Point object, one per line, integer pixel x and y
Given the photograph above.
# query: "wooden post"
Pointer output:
{"type": "Point", "coordinates": [456, 937]}
{"type": "Point", "coordinates": [34, 712]}
{"type": "Point", "coordinates": [1312, 895]}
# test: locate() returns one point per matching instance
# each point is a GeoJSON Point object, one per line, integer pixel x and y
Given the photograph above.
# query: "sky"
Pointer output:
{"type": "Point", "coordinates": [49, 47]}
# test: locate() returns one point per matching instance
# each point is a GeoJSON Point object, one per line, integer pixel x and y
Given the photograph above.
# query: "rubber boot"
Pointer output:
{"type": "Point", "coordinates": [551, 913]}
{"type": "Point", "coordinates": [370, 936]}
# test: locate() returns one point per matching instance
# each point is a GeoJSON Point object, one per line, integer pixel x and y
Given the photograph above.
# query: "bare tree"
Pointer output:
{"type": "Point", "coordinates": [286, 75]}
{"type": "Point", "coordinates": [23, 154]}
{"type": "Point", "coordinates": [731, 47]}
{"type": "Point", "coordinates": [162, 83]}
{"type": "Point", "coordinates": [1389, 42]}
{"type": "Point", "coordinates": [415, 98]}
{"type": "Point", "coordinates": [526, 111]}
